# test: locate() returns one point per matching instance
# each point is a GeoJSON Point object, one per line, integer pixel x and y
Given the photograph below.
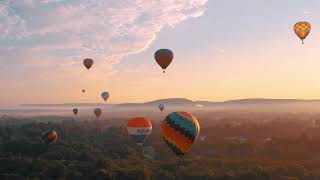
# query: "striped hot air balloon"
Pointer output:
{"type": "Point", "coordinates": [180, 130]}
{"type": "Point", "coordinates": [139, 129]}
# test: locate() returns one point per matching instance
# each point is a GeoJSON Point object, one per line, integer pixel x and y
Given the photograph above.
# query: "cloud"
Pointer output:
{"type": "Point", "coordinates": [104, 30]}
{"type": "Point", "coordinates": [307, 12]}
{"type": "Point", "coordinates": [42, 42]}
{"type": "Point", "coordinates": [220, 50]}
{"type": "Point", "coordinates": [11, 25]}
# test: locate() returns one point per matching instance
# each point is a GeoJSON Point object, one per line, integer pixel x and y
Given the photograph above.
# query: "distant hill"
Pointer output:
{"type": "Point", "coordinates": [181, 102]}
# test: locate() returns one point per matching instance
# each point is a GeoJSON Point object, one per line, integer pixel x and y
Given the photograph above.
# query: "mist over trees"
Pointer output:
{"type": "Point", "coordinates": [230, 146]}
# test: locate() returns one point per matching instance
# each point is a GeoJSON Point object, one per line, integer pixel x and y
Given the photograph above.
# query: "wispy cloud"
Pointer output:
{"type": "Point", "coordinates": [12, 26]}
{"type": "Point", "coordinates": [220, 50]}
{"type": "Point", "coordinates": [307, 12]}
{"type": "Point", "coordinates": [43, 42]}
{"type": "Point", "coordinates": [104, 30]}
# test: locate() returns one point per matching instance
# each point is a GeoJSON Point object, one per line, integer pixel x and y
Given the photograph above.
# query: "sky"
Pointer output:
{"type": "Point", "coordinates": [230, 49]}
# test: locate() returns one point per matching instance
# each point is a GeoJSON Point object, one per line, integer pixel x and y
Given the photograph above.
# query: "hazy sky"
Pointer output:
{"type": "Point", "coordinates": [226, 49]}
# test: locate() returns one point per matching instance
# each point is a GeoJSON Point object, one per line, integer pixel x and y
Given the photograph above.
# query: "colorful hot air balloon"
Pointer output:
{"type": "Point", "coordinates": [75, 111]}
{"type": "Point", "coordinates": [163, 57]}
{"type": "Point", "coordinates": [97, 112]}
{"type": "Point", "coordinates": [180, 130]}
{"type": "Point", "coordinates": [302, 30]}
{"type": "Point", "coordinates": [139, 129]}
{"type": "Point", "coordinates": [105, 96]}
{"type": "Point", "coordinates": [88, 63]}
{"type": "Point", "coordinates": [50, 137]}
{"type": "Point", "coordinates": [83, 91]}
{"type": "Point", "coordinates": [161, 107]}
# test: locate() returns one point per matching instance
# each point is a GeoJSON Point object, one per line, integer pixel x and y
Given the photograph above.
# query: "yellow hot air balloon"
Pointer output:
{"type": "Point", "coordinates": [302, 30]}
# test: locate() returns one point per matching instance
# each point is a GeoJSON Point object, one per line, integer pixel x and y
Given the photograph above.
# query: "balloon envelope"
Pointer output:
{"type": "Point", "coordinates": [97, 112]}
{"type": "Point", "coordinates": [139, 129]}
{"type": "Point", "coordinates": [83, 90]}
{"type": "Point", "coordinates": [179, 131]}
{"type": "Point", "coordinates": [302, 29]}
{"type": "Point", "coordinates": [88, 63]}
{"type": "Point", "coordinates": [50, 137]}
{"type": "Point", "coordinates": [75, 111]}
{"type": "Point", "coordinates": [163, 57]}
{"type": "Point", "coordinates": [105, 96]}
{"type": "Point", "coordinates": [161, 107]}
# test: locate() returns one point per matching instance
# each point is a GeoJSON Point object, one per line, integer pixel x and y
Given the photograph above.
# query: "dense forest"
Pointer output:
{"type": "Point", "coordinates": [252, 146]}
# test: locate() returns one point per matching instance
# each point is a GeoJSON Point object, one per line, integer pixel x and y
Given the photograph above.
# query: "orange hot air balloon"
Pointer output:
{"type": "Point", "coordinates": [50, 137]}
{"type": "Point", "coordinates": [98, 112]}
{"type": "Point", "coordinates": [164, 58]}
{"type": "Point", "coordinates": [83, 91]}
{"type": "Point", "coordinates": [88, 63]}
{"type": "Point", "coordinates": [302, 30]}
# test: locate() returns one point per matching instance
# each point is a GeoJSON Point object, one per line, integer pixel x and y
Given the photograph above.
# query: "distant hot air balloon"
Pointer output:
{"type": "Point", "coordinates": [83, 91]}
{"type": "Point", "coordinates": [139, 129]}
{"type": "Point", "coordinates": [148, 152]}
{"type": "Point", "coordinates": [302, 30]}
{"type": "Point", "coordinates": [75, 111]}
{"type": "Point", "coordinates": [105, 96]}
{"type": "Point", "coordinates": [163, 57]}
{"type": "Point", "coordinates": [50, 137]}
{"type": "Point", "coordinates": [88, 63]}
{"type": "Point", "coordinates": [203, 138]}
{"type": "Point", "coordinates": [161, 107]}
{"type": "Point", "coordinates": [97, 112]}
{"type": "Point", "coordinates": [180, 130]}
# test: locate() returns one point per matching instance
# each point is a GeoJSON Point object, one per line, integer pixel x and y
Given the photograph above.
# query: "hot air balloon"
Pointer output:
{"type": "Point", "coordinates": [161, 107]}
{"type": "Point", "coordinates": [302, 30]}
{"type": "Point", "coordinates": [139, 129]}
{"type": "Point", "coordinates": [179, 131]}
{"type": "Point", "coordinates": [50, 137]}
{"type": "Point", "coordinates": [163, 57]}
{"type": "Point", "coordinates": [105, 96]}
{"type": "Point", "coordinates": [83, 91]}
{"type": "Point", "coordinates": [97, 112]}
{"type": "Point", "coordinates": [148, 152]}
{"type": "Point", "coordinates": [88, 63]}
{"type": "Point", "coordinates": [202, 138]}
{"type": "Point", "coordinates": [75, 111]}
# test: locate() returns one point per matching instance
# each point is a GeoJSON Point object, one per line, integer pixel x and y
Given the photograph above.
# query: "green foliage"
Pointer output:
{"type": "Point", "coordinates": [86, 150]}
